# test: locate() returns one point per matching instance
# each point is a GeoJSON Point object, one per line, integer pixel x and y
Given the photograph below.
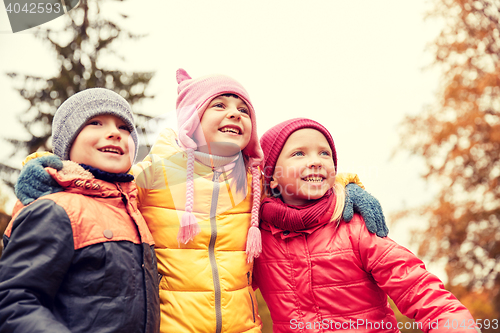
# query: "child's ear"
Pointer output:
{"type": "Point", "coordinates": [275, 191]}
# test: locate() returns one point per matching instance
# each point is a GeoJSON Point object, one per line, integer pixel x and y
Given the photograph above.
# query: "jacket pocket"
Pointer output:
{"type": "Point", "coordinates": [249, 282]}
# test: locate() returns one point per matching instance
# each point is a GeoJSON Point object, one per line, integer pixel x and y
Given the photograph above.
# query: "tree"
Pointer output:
{"type": "Point", "coordinates": [459, 140]}
{"type": "Point", "coordinates": [4, 217]}
{"type": "Point", "coordinates": [80, 46]}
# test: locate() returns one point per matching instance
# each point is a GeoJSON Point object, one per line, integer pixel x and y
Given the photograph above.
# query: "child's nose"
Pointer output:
{"type": "Point", "coordinates": [233, 112]}
{"type": "Point", "coordinates": [314, 162]}
{"type": "Point", "coordinates": [114, 132]}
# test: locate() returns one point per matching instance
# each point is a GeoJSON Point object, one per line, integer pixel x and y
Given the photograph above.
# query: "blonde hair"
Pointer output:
{"type": "Point", "coordinates": [339, 191]}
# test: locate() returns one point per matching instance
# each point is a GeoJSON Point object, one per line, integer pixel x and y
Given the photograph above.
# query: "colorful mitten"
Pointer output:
{"type": "Point", "coordinates": [365, 204]}
{"type": "Point", "coordinates": [34, 181]}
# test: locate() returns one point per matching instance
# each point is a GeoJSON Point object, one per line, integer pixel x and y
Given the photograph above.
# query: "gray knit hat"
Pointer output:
{"type": "Point", "coordinates": [79, 108]}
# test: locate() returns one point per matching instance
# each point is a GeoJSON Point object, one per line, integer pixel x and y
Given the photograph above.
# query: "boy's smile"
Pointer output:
{"type": "Point", "coordinates": [226, 119]}
{"type": "Point", "coordinates": [104, 143]}
{"type": "Point", "coordinates": [112, 149]}
{"type": "Point", "coordinates": [305, 170]}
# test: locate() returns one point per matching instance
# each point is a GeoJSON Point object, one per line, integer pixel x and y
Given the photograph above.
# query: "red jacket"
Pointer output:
{"type": "Point", "coordinates": [338, 279]}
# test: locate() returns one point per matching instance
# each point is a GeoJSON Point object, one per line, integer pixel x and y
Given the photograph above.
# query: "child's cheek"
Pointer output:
{"type": "Point", "coordinates": [131, 149]}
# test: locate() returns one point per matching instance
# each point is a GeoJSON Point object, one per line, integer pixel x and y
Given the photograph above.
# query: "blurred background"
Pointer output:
{"type": "Point", "coordinates": [410, 91]}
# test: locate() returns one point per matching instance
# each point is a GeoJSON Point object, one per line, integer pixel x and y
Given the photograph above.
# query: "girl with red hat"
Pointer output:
{"type": "Point", "coordinates": [320, 274]}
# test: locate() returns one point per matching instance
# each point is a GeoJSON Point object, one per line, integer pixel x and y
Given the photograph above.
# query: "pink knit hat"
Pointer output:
{"type": "Point", "coordinates": [193, 99]}
{"type": "Point", "coordinates": [274, 139]}
{"type": "Point", "coordinates": [194, 95]}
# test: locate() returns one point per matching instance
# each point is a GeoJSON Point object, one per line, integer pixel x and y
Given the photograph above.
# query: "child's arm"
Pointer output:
{"type": "Point", "coordinates": [359, 200]}
{"type": "Point", "coordinates": [417, 293]}
{"type": "Point", "coordinates": [41, 183]}
{"type": "Point", "coordinates": [34, 181]}
{"type": "Point", "coordinates": [34, 263]}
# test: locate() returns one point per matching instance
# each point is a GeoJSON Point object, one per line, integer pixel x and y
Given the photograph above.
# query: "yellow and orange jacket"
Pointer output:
{"type": "Point", "coordinates": [206, 284]}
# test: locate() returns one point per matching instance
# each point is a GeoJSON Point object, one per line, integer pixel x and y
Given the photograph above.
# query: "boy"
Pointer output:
{"type": "Point", "coordinates": [83, 260]}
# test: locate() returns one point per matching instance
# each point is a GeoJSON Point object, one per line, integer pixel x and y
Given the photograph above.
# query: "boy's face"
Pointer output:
{"type": "Point", "coordinates": [104, 144]}
{"type": "Point", "coordinates": [305, 170]}
{"type": "Point", "coordinates": [226, 119]}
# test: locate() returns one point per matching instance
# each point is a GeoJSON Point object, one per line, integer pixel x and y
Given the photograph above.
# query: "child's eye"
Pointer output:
{"type": "Point", "coordinates": [125, 127]}
{"type": "Point", "coordinates": [298, 153]}
{"type": "Point", "coordinates": [325, 153]}
{"type": "Point", "coordinates": [245, 111]}
{"type": "Point", "coordinates": [94, 122]}
{"type": "Point", "coordinates": [218, 105]}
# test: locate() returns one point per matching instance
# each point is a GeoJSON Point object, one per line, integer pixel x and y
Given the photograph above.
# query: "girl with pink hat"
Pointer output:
{"type": "Point", "coordinates": [199, 191]}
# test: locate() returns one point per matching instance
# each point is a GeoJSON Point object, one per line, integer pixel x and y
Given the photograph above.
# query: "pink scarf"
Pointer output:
{"type": "Point", "coordinates": [296, 218]}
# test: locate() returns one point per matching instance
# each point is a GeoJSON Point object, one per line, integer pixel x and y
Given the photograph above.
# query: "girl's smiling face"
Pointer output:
{"type": "Point", "coordinates": [305, 169]}
{"type": "Point", "coordinates": [226, 120]}
{"type": "Point", "coordinates": [104, 143]}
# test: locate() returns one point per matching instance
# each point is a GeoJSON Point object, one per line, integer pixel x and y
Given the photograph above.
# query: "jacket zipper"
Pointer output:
{"type": "Point", "coordinates": [211, 251]}
{"type": "Point", "coordinates": [126, 203]}
{"type": "Point", "coordinates": [251, 298]}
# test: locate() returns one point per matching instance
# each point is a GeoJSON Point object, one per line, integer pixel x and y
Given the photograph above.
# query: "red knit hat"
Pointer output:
{"type": "Point", "coordinates": [274, 139]}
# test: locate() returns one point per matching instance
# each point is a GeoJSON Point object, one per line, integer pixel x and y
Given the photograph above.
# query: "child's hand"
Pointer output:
{"type": "Point", "coordinates": [365, 204]}
{"type": "Point", "coordinates": [34, 181]}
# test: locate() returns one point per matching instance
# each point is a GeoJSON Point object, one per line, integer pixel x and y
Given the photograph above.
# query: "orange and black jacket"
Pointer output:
{"type": "Point", "coordinates": [81, 260]}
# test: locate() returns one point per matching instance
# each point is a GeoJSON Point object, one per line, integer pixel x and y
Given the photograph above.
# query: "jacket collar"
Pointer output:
{"type": "Point", "coordinates": [75, 179]}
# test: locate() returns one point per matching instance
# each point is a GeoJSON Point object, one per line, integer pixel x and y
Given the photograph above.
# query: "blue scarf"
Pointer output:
{"type": "Point", "coordinates": [108, 176]}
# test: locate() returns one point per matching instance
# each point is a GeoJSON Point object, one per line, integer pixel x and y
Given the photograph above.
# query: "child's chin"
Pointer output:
{"type": "Point", "coordinates": [113, 168]}
{"type": "Point", "coordinates": [316, 195]}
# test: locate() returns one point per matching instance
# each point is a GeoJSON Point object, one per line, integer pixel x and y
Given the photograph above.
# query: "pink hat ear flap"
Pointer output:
{"type": "Point", "coordinates": [182, 75]}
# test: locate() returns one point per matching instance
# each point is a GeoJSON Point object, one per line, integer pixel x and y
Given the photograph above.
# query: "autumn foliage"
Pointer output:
{"type": "Point", "coordinates": [459, 140]}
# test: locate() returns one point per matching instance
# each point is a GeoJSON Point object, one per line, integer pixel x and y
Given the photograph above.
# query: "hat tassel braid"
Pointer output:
{"type": "Point", "coordinates": [189, 227]}
{"type": "Point", "coordinates": [254, 239]}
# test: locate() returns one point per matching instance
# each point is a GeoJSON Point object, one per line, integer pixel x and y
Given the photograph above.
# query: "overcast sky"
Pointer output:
{"type": "Point", "coordinates": [355, 66]}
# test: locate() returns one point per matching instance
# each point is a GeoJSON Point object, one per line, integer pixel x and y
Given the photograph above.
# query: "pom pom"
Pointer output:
{"type": "Point", "coordinates": [254, 244]}
{"type": "Point", "coordinates": [189, 228]}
